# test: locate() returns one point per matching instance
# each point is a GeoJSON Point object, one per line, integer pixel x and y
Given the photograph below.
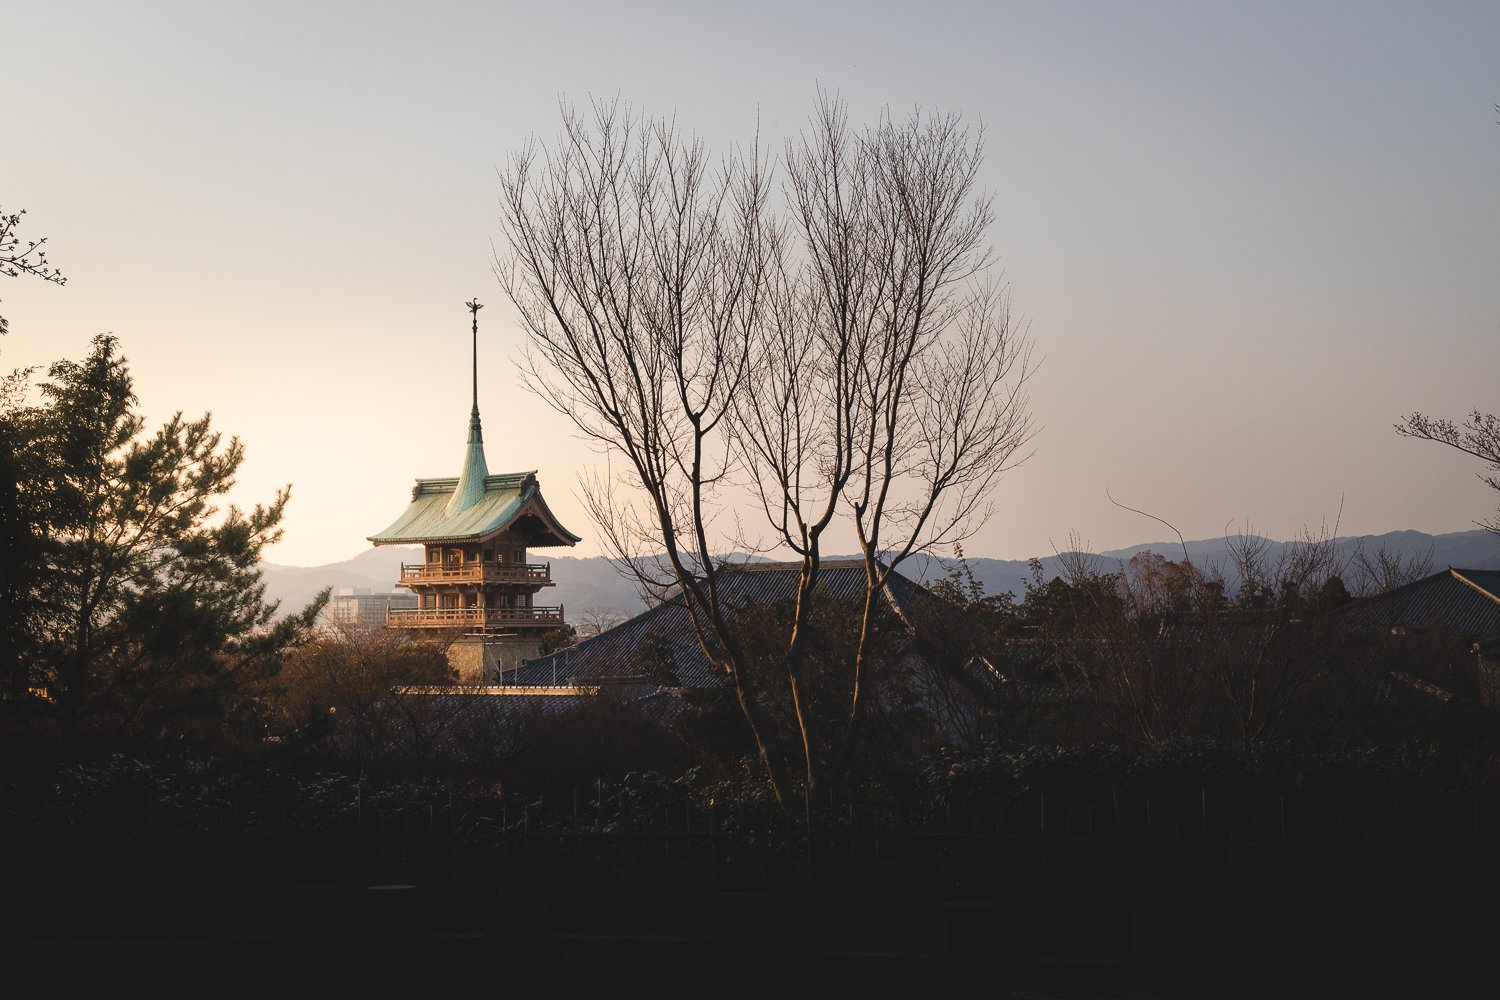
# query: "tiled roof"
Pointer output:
{"type": "Point", "coordinates": [669, 627]}
{"type": "Point", "coordinates": [431, 517]}
{"type": "Point", "coordinates": [1463, 601]}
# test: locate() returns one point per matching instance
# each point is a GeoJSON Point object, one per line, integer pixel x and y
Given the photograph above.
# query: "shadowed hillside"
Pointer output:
{"type": "Point", "coordinates": [593, 583]}
{"type": "Point", "coordinates": [581, 583]}
{"type": "Point", "coordinates": [1476, 549]}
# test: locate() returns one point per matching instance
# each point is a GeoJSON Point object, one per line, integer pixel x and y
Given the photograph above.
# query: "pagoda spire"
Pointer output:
{"type": "Point", "coordinates": [471, 480]}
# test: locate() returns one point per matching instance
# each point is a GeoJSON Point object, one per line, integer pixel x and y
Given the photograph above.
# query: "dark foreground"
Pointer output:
{"type": "Point", "coordinates": [1048, 918]}
{"type": "Point", "coordinates": [613, 965]}
{"type": "Point", "coordinates": [1124, 894]}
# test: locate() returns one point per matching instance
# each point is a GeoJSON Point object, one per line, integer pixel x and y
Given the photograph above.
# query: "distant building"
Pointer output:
{"type": "Point", "coordinates": [1451, 617]}
{"type": "Point", "coordinates": [653, 656]}
{"type": "Point", "coordinates": [475, 584]}
{"type": "Point", "coordinates": [665, 638]}
{"type": "Point", "coordinates": [652, 659]}
{"type": "Point", "coordinates": [358, 607]}
{"type": "Point", "coordinates": [1462, 603]}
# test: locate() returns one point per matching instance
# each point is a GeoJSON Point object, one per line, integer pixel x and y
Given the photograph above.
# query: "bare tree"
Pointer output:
{"type": "Point", "coordinates": [596, 621]}
{"type": "Point", "coordinates": [837, 354]}
{"type": "Point", "coordinates": [1479, 436]}
{"type": "Point", "coordinates": [1383, 570]}
{"type": "Point", "coordinates": [18, 258]}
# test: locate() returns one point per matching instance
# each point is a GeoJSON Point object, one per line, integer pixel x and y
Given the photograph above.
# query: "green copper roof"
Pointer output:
{"type": "Point", "coordinates": [476, 504]}
{"type": "Point", "coordinates": [511, 501]}
{"type": "Point", "coordinates": [471, 482]}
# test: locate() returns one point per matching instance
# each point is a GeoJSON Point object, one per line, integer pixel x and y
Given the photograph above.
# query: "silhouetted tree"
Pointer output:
{"type": "Point", "coordinates": [1478, 435]}
{"type": "Point", "coordinates": [21, 519]}
{"type": "Point", "coordinates": [1162, 651]}
{"type": "Point", "coordinates": [17, 258]}
{"type": "Point", "coordinates": [841, 355]}
{"type": "Point", "coordinates": [145, 612]}
{"type": "Point", "coordinates": [341, 687]}
{"type": "Point", "coordinates": [558, 638]}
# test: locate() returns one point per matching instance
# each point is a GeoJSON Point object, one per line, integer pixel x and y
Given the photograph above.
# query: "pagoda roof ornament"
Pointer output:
{"type": "Point", "coordinates": [476, 505]}
{"type": "Point", "coordinates": [470, 487]}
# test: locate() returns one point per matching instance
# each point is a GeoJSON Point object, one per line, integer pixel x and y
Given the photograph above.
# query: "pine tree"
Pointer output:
{"type": "Point", "coordinates": [144, 614]}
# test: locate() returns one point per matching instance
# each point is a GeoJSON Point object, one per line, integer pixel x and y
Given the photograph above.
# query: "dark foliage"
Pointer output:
{"type": "Point", "coordinates": [138, 614]}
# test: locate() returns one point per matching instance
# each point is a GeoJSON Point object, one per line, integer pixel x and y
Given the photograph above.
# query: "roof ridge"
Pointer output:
{"type": "Point", "coordinates": [1409, 585]}
{"type": "Point", "coordinates": [1459, 575]}
{"type": "Point", "coordinates": [500, 501]}
{"type": "Point", "coordinates": [762, 566]}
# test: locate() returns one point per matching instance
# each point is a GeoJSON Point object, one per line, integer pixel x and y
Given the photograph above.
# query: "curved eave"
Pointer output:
{"type": "Point", "coordinates": [534, 506]}
{"type": "Point", "coordinates": [506, 500]}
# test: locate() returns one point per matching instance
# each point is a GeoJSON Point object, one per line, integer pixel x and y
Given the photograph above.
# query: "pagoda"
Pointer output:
{"type": "Point", "coordinates": [475, 583]}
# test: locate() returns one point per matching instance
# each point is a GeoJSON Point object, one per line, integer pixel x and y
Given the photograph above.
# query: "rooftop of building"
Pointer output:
{"type": "Point", "coordinates": [1465, 602]}
{"type": "Point", "coordinates": [511, 501]}
{"type": "Point", "coordinates": [475, 505]}
{"type": "Point", "coordinates": [667, 630]}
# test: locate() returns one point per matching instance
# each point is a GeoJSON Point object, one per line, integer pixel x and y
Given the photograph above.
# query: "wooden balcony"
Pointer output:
{"type": "Point", "coordinates": [535, 574]}
{"type": "Point", "coordinates": [474, 619]}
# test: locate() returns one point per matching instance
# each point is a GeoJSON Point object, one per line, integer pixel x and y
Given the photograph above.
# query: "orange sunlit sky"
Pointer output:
{"type": "Point", "coordinates": [1247, 237]}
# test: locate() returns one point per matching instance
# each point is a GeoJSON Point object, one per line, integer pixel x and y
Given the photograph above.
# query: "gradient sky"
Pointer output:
{"type": "Point", "coordinates": [1247, 237]}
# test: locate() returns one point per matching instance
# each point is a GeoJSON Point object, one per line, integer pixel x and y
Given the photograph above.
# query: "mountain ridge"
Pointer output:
{"type": "Point", "coordinates": [593, 582]}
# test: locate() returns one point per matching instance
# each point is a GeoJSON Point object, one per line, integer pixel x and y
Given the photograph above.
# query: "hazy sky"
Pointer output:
{"type": "Point", "coordinates": [1247, 237]}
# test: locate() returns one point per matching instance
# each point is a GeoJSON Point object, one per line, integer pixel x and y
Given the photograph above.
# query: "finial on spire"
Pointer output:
{"type": "Point", "coordinates": [474, 306]}
{"type": "Point", "coordinates": [470, 487]}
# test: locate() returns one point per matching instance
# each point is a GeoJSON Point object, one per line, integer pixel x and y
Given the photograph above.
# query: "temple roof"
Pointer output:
{"type": "Point", "coordinates": [512, 501]}
{"type": "Point", "coordinates": [475, 505]}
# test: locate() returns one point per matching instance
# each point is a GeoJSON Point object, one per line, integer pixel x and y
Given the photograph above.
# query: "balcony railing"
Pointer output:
{"type": "Point", "coordinates": [474, 619]}
{"type": "Point", "coordinates": [477, 572]}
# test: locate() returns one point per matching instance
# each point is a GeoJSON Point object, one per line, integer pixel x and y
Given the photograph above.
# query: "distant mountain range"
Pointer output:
{"type": "Point", "coordinates": [1475, 549]}
{"type": "Point", "coordinates": [580, 583]}
{"type": "Point", "coordinates": [593, 582]}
